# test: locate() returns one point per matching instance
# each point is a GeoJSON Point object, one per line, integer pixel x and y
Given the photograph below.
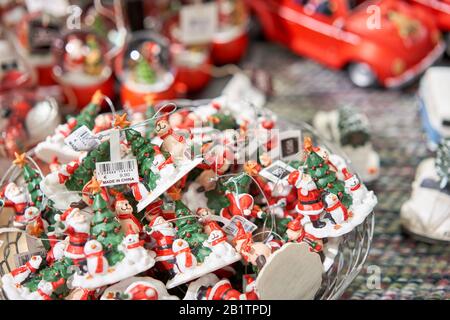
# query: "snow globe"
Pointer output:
{"type": "Point", "coordinates": [145, 69]}
{"type": "Point", "coordinates": [192, 59]}
{"type": "Point", "coordinates": [82, 66]}
{"type": "Point", "coordinates": [36, 33]}
{"type": "Point", "coordinates": [231, 39]}
{"type": "Point", "coordinates": [15, 71]}
{"type": "Point", "coordinates": [107, 22]}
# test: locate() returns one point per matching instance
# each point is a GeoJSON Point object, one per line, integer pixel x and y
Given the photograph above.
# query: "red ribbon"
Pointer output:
{"type": "Point", "coordinates": [136, 245]}
{"type": "Point", "coordinates": [171, 133]}
{"type": "Point", "coordinates": [44, 295]}
{"type": "Point", "coordinates": [99, 256]}
{"type": "Point", "coordinates": [188, 256]}
{"type": "Point", "coordinates": [124, 216]}
{"type": "Point", "coordinates": [27, 266]}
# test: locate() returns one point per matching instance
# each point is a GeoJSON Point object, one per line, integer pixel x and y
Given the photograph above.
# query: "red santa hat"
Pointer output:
{"type": "Point", "coordinates": [213, 226]}
{"type": "Point", "coordinates": [66, 214]}
{"type": "Point", "coordinates": [154, 221]}
{"type": "Point", "coordinates": [164, 112]}
{"type": "Point", "coordinates": [223, 290]}
{"type": "Point", "coordinates": [295, 225]}
{"type": "Point", "coordinates": [216, 105]}
{"type": "Point", "coordinates": [347, 174]}
{"type": "Point", "coordinates": [120, 197]}
{"type": "Point", "coordinates": [142, 291]}
{"type": "Point", "coordinates": [59, 283]}
{"type": "Point", "coordinates": [268, 124]}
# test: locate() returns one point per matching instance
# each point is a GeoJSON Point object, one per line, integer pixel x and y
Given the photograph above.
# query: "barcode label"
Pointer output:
{"type": "Point", "coordinates": [277, 171]}
{"type": "Point", "coordinates": [82, 139]}
{"type": "Point", "coordinates": [112, 173]}
{"type": "Point", "coordinates": [232, 229]}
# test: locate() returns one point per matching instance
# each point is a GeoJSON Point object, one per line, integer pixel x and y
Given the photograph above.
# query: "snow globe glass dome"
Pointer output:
{"type": "Point", "coordinates": [82, 66]}
{"type": "Point", "coordinates": [193, 60]}
{"type": "Point", "coordinates": [36, 32]}
{"type": "Point", "coordinates": [231, 39]}
{"type": "Point", "coordinates": [15, 71]}
{"type": "Point", "coordinates": [145, 69]}
{"type": "Point", "coordinates": [105, 20]}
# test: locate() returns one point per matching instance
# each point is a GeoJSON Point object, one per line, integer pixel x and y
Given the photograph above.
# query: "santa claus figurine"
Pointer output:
{"type": "Point", "coordinates": [66, 171]}
{"type": "Point", "coordinates": [141, 290]}
{"type": "Point", "coordinates": [222, 290]}
{"type": "Point", "coordinates": [255, 253]}
{"type": "Point", "coordinates": [124, 212]}
{"type": "Point", "coordinates": [309, 197]}
{"type": "Point", "coordinates": [77, 226]}
{"type": "Point", "coordinates": [240, 205]}
{"type": "Point", "coordinates": [17, 198]}
{"type": "Point", "coordinates": [164, 234]}
{"type": "Point", "coordinates": [296, 233]}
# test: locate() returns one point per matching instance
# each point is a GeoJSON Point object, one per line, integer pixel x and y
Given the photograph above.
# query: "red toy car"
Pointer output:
{"type": "Point", "coordinates": [441, 11]}
{"type": "Point", "coordinates": [386, 42]}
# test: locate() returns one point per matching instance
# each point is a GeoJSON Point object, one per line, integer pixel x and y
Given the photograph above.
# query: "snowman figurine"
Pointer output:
{"type": "Point", "coordinates": [45, 290]}
{"type": "Point", "coordinates": [35, 225]}
{"type": "Point", "coordinates": [338, 213]}
{"type": "Point", "coordinates": [162, 166]}
{"type": "Point", "coordinates": [133, 247]}
{"type": "Point", "coordinates": [21, 273]}
{"type": "Point", "coordinates": [354, 187]}
{"type": "Point", "coordinates": [217, 241]}
{"type": "Point", "coordinates": [185, 260]}
{"type": "Point", "coordinates": [96, 261]}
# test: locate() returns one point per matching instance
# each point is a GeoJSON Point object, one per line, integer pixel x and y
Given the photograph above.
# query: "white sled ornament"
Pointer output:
{"type": "Point", "coordinates": [291, 273]}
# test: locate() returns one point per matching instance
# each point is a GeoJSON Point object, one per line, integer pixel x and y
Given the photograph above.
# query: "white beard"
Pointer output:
{"type": "Point", "coordinates": [81, 227]}
{"type": "Point", "coordinates": [165, 230]}
{"type": "Point", "coordinates": [17, 198]}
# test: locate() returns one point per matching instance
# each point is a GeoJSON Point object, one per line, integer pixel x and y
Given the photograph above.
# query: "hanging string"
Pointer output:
{"type": "Point", "coordinates": [271, 213]}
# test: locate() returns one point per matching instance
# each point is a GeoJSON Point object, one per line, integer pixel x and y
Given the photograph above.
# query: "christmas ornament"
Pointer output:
{"type": "Point", "coordinates": [433, 93]}
{"type": "Point", "coordinates": [144, 70]}
{"type": "Point", "coordinates": [137, 288]}
{"type": "Point", "coordinates": [82, 67]}
{"type": "Point", "coordinates": [36, 32]}
{"type": "Point", "coordinates": [54, 145]}
{"type": "Point", "coordinates": [350, 130]}
{"type": "Point", "coordinates": [424, 214]}
{"type": "Point", "coordinates": [230, 41]}
{"type": "Point", "coordinates": [225, 228]}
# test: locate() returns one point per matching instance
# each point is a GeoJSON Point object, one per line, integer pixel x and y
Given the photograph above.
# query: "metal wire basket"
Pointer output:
{"type": "Point", "coordinates": [352, 249]}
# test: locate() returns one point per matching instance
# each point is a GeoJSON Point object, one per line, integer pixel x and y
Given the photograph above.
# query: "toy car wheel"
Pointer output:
{"type": "Point", "coordinates": [361, 75]}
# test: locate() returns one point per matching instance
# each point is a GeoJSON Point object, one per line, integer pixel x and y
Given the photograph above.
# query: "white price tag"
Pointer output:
{"type": "Point", "coordinates": [232, 229]}
{"type": "Point", "coordinates": [240, 88]}
{"type": "Point", "coordinates": [82, 139]}
{"type": "Point", "coordinates": [112, 173]}
{"type": "Point", "coordinates": [198, 23]}
{"type": "Point", "coordinates": [289, 145]}
{"type": "Point", "coordinates": [276, 171]}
